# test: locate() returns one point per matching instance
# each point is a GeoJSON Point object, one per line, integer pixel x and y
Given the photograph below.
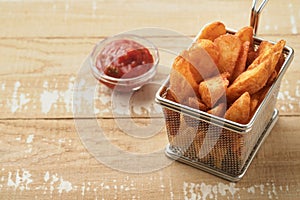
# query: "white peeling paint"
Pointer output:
{"type": "Point", "coordinates": [29, 139]}
{"type": "Point", "coordinates": [64, 186]}
{"type": "Point", "coordinates": [251, 189]}
{"type": "Point", "coordinates": [53, 183]}
{"type": "Point", "coordinates": [202, 191]}
{"type": "Point", "coordinates": [47, 99]}
{"type": "Point", "coordinates": [261, 186]}
{"type": "Point", "coordinates": [46, 177]}
{"type": "Point", "coordinates": [18, 181]}
{"type": "Point", "coordinates": [67, 96]}
{"type": "Point", "coordinates": [18, 99]}
{"type": "Point", "coordinates": [14, 101]}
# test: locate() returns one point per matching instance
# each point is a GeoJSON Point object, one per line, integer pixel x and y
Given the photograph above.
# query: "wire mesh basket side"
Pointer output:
{"type": "Point", "coordinates": [214, 146]}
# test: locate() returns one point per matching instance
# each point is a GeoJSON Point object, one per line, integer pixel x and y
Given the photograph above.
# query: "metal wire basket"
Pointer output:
{"type": "Point", "coordinates": [219, 146]}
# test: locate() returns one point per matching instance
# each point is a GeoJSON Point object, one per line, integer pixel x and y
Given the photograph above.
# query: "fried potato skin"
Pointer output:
{"type": "Point", "coordinates": [184, 79]}
{"type": "Point", "coordinates": [246, 34]}
{"type": "Point", "coordinates": [211, 48]}
{"type": "Point", "coordinates": [272, 53]}
{"type": "Point", "coordinates": [218, 110]}
{"type": "Point", "coordinates": [239, 111]}
{"type": "Point", "coordinates": [257, 74]}
{"type": "Point", "coordinates": [249, 81]}
{"type": "Point", "coordinates": [196, 103]}
{"type": "Point", "coordinates": [230, 47]}
{"type": "Point", "coordinates": [257, 98]}
{"type": "Point", "coordinates": [212, 31]}
{"type": "Point", "coordinates": [204, 56]}
{"type": "Point", "coordinates": [214, 52]}
{"type": "Point", "coordinates": [212, 89]}
{"type": "Point", "coordinates": [241, 62]}
{"type": "Point", "coordinates": [263, 46]}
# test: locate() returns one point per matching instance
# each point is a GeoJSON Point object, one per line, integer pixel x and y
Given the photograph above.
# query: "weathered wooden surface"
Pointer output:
{"type": "Point", "coordinates": [43, 154]}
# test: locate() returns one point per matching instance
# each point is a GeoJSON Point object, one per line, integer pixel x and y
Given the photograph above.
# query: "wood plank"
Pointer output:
{"type": "Point", "coordinates": [102, 18]}
{"type": "Point", "coordinates": [38, 77]}
{"type": "Point", "coordinates": [46, 159]}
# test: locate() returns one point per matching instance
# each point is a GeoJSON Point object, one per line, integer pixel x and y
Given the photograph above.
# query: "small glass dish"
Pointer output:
{"type": "Point", "coordinates": [142, 74]}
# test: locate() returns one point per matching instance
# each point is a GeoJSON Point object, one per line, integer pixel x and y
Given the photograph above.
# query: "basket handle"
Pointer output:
{"type": "Point", "coordinates": [255, 13]}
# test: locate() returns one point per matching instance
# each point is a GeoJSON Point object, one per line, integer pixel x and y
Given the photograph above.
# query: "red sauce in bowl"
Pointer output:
{"type": "Point", "coordinates": [124, 59]}
{"type": "Point", "coordinates": [124, 62]}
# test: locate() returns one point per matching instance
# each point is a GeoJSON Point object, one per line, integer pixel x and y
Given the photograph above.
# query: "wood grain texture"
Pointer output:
{"type": "Point", "coordinates": [102, 18]}
{"type": "Point", "coordinates": [46, 154]}
{"type": "Point", "coordinates": [46, 159]}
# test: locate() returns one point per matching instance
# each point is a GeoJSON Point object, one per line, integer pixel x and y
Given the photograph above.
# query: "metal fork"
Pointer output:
{"type": "Point", "coordinates": [255, 13]}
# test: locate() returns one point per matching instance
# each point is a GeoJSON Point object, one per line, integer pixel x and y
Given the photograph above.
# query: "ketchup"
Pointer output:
{"type": "Point", "coordinates": [124, 59]}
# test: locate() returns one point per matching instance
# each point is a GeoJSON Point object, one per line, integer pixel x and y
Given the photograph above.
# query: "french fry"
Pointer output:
{"type": "Point", "coordinates": [272, 78]}
{"type": "Point", "coordinates": [211, 48]}
{"type": "Point", "coordinates": [252, 55]}
{"type": "Point", "coordinates": [195, 76]}
{"type": "Point", "coordinates": [249, 81]}
{"type": "Point", "coordinates": [246, 34]}
{"type": "Point", "coordinates": [280, 63]}
{"type": "Point", "coordinates": [239, 111]}
{"type": "Point", "coordinates": [257, 98]}
{"type": "Point", "coordinates": [257, 74]}
{"type": "Point", "coordinates": [218, 110]}
{"type": "Point", "coordinates": [170, 95]}
{"type": "Point", "coordinates": [230, 47]}
{"type": "Point", "coordinates": [212, 89]}
{"type": "Point", "coordinates": [271, 53]}
{"type": "Point", "coordinates": [241, 62]}
{"type": "Point", "coordinates": [184, 79]}
{"type": "Point", "coordinates": [196, 103]}
{"type": "Point", "coordinates": [263, 47]}
{"type": "Point", "coordinates": [204, 56]}
{"type": "Point", "coordinates": [212, 31]}
{"type": "Point", "coordinates": [171, 124]}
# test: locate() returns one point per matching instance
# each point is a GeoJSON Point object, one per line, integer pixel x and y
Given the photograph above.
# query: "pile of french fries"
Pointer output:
{"type": "Point", "coordinates": [224, 74]}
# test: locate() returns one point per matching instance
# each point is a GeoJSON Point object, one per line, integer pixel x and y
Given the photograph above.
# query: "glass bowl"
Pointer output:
{"type": "Point", "coordinates": [137, 76]}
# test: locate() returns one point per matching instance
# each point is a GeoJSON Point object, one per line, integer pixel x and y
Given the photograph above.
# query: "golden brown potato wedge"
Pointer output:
{"type": "Point", "coordinates": [203, 55]}
{"type": "Point", "coordinates": [211, 48]}
{"type": "Point", "coordinates": [263, 47]}
{"type": "Point", "coordinates": [272, 78]}
{"type": "Point", "coordinates": [280, 63]}
{"type": "Point", "coordinates": [257, 74]}
{"type": "Point", "coordinates": [252, 55]}
{"type": "Point", "coordinates": [239, 111]}
{"type": "Point", "coordinates": [170, 95]}
{"type": "Point", "coordinates": [212, 89]}
{"type": "Point", "coordinates": [267, 52]}
{"type": "Point", "coordinates": [257, 98]}
{"type": "Point", "coordinates": [218, 110]}
{"type": "Point", "coordinates": [230, 47]}
{"type": "Point", "coordinates": [249, 81]}
{"type": "Point", "coordinates": [212, 31]}
{"type": "Point", "coordinates": [241, 62]}
{"type": "Point", "coordinates": [195, 102]}
{"type": "Point", "coordinates": [246, 34]}
{"type": "Point", "coordinates": [184, 79]}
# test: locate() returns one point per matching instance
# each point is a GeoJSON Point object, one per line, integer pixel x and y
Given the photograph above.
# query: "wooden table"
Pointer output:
{"type": "Point", "coordinates": [43, 45]}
